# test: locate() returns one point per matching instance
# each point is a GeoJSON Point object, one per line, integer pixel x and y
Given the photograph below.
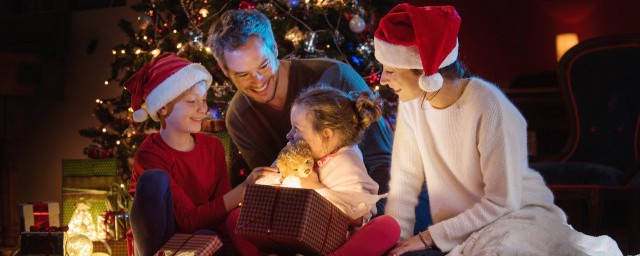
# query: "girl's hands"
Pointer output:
{"type": "Point", "coordinates": [412, 244]}
{"type": "Point", "coordinates": [311, 182]}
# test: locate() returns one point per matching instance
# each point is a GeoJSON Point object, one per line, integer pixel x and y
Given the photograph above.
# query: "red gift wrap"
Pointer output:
{"type": "Point", "coordinates": [202, 245]}
{"type": "Point", "coordinates": [41, 215]}
{"type": "Point", "coordinates": [291, 219]}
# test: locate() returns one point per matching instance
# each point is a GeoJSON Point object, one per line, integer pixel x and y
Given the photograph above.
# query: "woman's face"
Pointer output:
{"type": "Point", "coordinates": [404, 82]}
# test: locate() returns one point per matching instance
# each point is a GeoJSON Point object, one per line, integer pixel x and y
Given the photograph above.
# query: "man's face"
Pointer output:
{"type": "Point", "coordinates": [252, 68]}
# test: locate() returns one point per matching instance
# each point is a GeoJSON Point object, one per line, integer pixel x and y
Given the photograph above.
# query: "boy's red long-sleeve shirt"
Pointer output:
{"type": "Point", "coordinates": [199, 178]}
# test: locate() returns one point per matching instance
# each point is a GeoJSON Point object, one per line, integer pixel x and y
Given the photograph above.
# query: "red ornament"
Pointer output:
{"type": "Point", "coordinates": [246, 5]}
{"type": "Point", "coordinates": [373, 78]}
{"type": "Point", "coordinates": [98, 153]}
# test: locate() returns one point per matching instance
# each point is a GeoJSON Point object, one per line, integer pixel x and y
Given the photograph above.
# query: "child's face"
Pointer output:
{"type": "Point", "coordinates": [302, 129]}
{"type": "Point", "coordinates": [188, 111]}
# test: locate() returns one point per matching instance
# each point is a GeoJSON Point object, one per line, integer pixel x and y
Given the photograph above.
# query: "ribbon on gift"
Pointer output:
{"type": "Point", "coordinates": [115, 224]}
{"type": "Point", "coordinates": [41, 214]}
{"type": "Point", "coordinates": [192, 244]}
{"type": "Point", "coordinates": [273, 211]}
{"type": "Point", "coordinates": [179, 248]}
{"type": "Point", "coordinates": [326, 233]}
{"type": "Point", "coordinates": [119, 198]}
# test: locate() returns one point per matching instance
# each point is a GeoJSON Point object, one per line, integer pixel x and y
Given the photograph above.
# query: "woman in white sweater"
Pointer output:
{"type": "Point", "coordinates": [463, 137]}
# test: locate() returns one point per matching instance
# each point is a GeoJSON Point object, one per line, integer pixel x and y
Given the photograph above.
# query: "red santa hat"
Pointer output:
{"type": "Point", "coordinates": [424, 38]}
{"type": "Point", "coordinates": [160, 81]}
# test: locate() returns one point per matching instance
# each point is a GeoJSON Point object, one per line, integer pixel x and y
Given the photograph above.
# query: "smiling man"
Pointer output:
{"type": "Point", "coordinates": [258, 115]}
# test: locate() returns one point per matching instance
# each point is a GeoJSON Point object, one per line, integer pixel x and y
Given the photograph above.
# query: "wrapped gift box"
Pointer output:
{"type": "Point", "coordinates": [186, 244]}
{"type": "Point", "coordinates": [213, 125]}
{"type": "Point", "coordinates": [97, 200]}
{"type": "Point", "coordinates": [89, 167]}
{"type": "Point", "coordinates": [227, 143]}
{"type": "Point", "coordinates": [291, 219]}
{"type": "Point", "coordinates": [43, 215]}
{"type": "Point", "coordinates": [42, 243]}
{"type": "Point", "coordinates": [93, 182]}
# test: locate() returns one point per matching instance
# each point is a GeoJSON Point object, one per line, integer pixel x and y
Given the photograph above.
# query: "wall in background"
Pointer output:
{"type": "Point", "coordinates": [501, 40]}
{"type": "Point", "coordinates": [52, 125]}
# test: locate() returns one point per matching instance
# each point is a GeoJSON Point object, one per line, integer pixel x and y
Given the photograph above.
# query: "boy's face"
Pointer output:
{"type": "Point", "coordinates": [252, 68]}
{"type": "Point", "coordinates": [188, 111]}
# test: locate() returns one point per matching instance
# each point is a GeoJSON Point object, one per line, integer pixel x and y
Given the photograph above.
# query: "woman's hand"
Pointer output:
{"type": "Point", "coordinates": [311, 182]}
{"type": "Point", "coordinates": [412, 244]}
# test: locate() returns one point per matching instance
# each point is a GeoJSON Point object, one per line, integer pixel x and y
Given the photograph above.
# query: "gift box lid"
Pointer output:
{"type": "Point", "coordinates": [89, 167]}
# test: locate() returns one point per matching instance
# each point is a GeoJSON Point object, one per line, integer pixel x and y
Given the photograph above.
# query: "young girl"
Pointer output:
{"type": "Point", "coordinates": [463, 137]}
{"type": "Point", "coordinates": [179, 180]}
{"type": "Point", "coordinates": [332, 123]}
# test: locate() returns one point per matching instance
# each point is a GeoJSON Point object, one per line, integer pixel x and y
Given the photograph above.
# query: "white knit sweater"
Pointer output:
{"type": "Point", "coordinates": [473, 157]}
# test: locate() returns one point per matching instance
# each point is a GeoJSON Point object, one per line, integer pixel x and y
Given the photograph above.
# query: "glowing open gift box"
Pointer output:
{"type": "Point", "coordinates": [292, 219]}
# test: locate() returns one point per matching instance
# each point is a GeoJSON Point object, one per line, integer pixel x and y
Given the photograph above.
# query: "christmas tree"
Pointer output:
{"type": "Point", "coordinates": [338, 29]}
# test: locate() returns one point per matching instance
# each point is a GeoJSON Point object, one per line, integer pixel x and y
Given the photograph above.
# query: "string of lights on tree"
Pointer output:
{"type": "Point", "coordinates": [338, 29]}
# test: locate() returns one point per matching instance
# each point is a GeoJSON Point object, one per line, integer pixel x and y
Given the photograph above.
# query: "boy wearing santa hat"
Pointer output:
{"type": "Point", "coordinates": [179, 180]}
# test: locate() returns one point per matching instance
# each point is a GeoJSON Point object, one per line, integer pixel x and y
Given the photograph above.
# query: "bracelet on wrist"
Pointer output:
{"type": "Point", "coordinates": [426, 245]}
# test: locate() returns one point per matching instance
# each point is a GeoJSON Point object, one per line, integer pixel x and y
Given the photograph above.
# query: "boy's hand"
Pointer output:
{"type": "Point", "coordinates": [258, 173]}
{"type": "Point", "coordinates": [235, 196]}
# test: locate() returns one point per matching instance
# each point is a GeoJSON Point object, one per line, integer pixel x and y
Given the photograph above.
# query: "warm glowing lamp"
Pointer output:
{"type": "Point", "coordinates": [564, 42]}
{"type": "Point", "coordinates": [82, 223]}
{"type": "Point", "coordinates": [79, 245]}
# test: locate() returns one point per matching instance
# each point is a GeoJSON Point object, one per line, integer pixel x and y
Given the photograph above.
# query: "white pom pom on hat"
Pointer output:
{"type": "Point", "coordinates": [431, 83]}
{"type": "Point", "coordinates": [426, 38]}
{"type": "Point", "coordinates": [140, 115]}
{"type": "Point", "coordinates": [160, 81]}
